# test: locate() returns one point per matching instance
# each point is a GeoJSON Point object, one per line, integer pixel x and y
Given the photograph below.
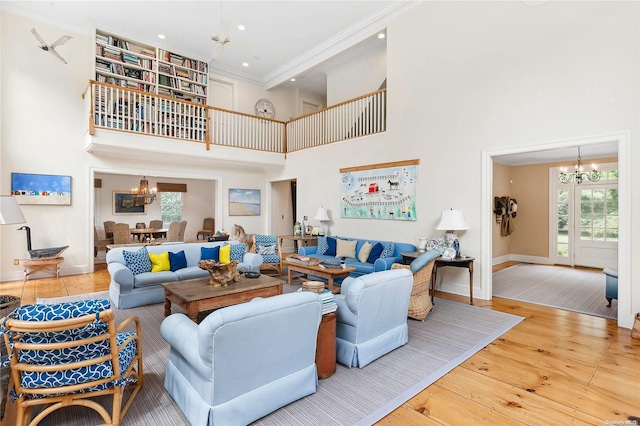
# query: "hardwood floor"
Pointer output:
{"type": "Point", "coordinates": [554, 368]}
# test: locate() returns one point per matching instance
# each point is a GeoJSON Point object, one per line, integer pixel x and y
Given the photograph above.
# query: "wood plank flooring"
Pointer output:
{"type": "Point", "coordinates": [554, 368]}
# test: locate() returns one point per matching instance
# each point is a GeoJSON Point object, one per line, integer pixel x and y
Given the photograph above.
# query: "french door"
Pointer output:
{"type": "Point", "coordinates": [584, 220]}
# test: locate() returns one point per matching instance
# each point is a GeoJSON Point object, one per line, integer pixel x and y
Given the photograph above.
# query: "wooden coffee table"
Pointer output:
{"type": "Point", "coordinates": [195, 296]}
{"type": "Point", "coordinates": [328, 274]}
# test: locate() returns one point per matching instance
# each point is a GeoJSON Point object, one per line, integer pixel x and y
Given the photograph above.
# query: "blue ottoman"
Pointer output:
{"type": "Point", "coordinates": [611, 289]}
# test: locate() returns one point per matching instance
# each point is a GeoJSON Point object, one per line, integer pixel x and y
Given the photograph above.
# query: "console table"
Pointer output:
{"type": "Point", "coordinates": [299, 240]}
{"type": "Point", "coordinates": [460, 262]}
{"type": "Point", "coordinates": [51, 264]}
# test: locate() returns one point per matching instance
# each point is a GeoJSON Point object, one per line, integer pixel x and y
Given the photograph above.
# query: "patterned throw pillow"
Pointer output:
{"type": "Point", "coordinates": [177, 261]}
{"type": "Point", "coordinates": [322, 245]}
{"type": "Point", "coordinates": [266, 250]}
{"type": "Point", "coordinates": [237, 252]}
{"type": "Point", "coordinates": [137, 261]}
{"type": "Point", "coordinates": [388, 251]}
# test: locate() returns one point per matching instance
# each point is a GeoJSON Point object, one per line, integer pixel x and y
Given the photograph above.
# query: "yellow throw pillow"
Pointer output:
{"type": "Point", "coordinates": [346, 248]}
{"type": "Point", "coordinates": [365, 251]}
{"type": "Point", "coordinates": [225, 254]}
{"type": "Point", "coordinates": [160, 262]}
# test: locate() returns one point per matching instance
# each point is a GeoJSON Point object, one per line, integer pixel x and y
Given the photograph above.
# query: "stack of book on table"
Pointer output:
{"type": "Point", "coordinates": [328, 302]}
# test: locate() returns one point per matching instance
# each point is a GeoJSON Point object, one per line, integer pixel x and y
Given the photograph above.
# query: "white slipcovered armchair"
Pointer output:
{"type": "Point", "coordinates": [244, 361]}
{"type": "Point", "coordinates": [372, 316]}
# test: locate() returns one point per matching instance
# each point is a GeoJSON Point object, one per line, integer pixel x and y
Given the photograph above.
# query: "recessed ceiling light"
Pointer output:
{"type": "Point", "coordinates": [245, 64]}
{"type": "Point", "coordinates": [381, 35]}
{"type": "Point", "coordinates": [161, 36]}
{"type": "Point", "coordinates": [293, 79]}
{"type": "Point", "coordinates": [241, 27]}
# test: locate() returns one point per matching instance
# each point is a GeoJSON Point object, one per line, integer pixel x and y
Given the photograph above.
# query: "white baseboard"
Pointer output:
{"type": "Point", "coordinates": [19, 275]}
{"type": "Point", "coordinates": [521, 258]}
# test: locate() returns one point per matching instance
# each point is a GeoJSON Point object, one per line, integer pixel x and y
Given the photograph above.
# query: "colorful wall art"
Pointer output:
{"type": "Point", "coordinates": [41, 189]}
{"type": "Point", "coordinates": [380, 191]}
{"type": "Point", "coordinates": [244, 202]}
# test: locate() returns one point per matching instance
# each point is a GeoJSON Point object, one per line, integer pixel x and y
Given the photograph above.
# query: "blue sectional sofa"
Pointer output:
{"type": "Point", "coordinates": [128, 290]}
{"type": "Point", "coordinates": [382, 262]}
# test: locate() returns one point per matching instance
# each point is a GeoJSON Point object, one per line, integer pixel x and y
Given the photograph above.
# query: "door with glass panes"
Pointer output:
{"type": "Point", "coordinates": [586, 222]}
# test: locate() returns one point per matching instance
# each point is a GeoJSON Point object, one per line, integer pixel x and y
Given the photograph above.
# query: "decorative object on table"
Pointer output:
{"type": "Point", "coordinates": [222, 274]}
{"type": "Point", "coordinates": [323, 217]}
{"type": "Point", "coordinates": [578, 174]}
{"type": "Point", "coordinates": [218, 236]}
{"type": "Point", "coordinates": [265, 109]}
{"type": "Point", "coordinates": [314, 286]}
{"type": "Point", "coordinates": [252, 274]}
{"type": "Point", "coordinates": [123, 203]}
{"type": "Point", "coordinates": [505, 209]}
{"type": "Point", "coordinates": [435, 244]}
{"type": "Point", "coordinates": [244, 202]}
{"type": "Point", "coordinates": [302, 260]}
{"type": "Point", "coordinates": [451, 221]}
{"type": "Point", "coordinates": [238, 234]}
{"type": "Point", "coordinates": [449, 254]}
{"type": "Point", "coordinates": [421, 243]}
{"type": "Point", "coordinates": [380, 191]}
{"type": "Point", "coordinates": [456, 247]}
{"type": "Point", "coordinates": [297, 229]}
{"type": "Point", "coordinates": [41, 189]}
{"type": "Point", "coordinates": [143, 194]}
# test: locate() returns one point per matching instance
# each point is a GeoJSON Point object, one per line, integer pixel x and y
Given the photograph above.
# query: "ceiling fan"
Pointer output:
{"type": "Point", "coordinates": [221, 39]}
{"type": "Point", "coordinates": [51, 48]}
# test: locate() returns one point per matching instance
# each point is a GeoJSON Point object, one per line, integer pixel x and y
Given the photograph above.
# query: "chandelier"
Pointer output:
{"type": "Point", "coordinates": [143, 195]}
{"type": "Point", "coordinates": [579, 174]}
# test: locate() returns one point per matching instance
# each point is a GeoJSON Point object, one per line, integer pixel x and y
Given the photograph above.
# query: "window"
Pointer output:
{"type": "Point", "coordinates": [562, 213]}
{"type": "Point", "coordinates": [599, 214]}
{"type": "Point", "coordinates": [171, 206]}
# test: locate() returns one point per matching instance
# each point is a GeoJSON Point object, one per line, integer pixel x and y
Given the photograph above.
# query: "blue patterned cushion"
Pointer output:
{"type": "Point", "coordinates": [322, 245]}
{"type": "Point", "coordinates": [177, 260]}
{"type": "Point", "coordinates": [266, 240]}
{"type": "Point", "coordinates": [388, 250]}
{"type": "Point", "coordinates": [267, 250]}
{"type": "Point", "coordinates": [237, 251]}
{"type": "Point", "coordinates": [59, 311]}
{"type": "Point", "coordinates": [137, 261]}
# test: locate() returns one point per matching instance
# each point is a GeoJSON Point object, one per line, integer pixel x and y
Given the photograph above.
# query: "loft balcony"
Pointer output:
{"type": "Point", "coordinates": [121, 121]}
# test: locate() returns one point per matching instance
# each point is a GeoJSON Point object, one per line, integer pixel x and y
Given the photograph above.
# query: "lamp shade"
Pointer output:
{"type": "Point", "coordinates": [452, 220]}
{"type": "Point", "coordinates": [322, 215]}
{"type": "Point", "coordinates": [10, 211]}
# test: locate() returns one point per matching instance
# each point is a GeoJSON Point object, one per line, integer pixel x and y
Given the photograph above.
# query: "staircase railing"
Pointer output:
{"type": "Point", "coordinates": [130, 110]}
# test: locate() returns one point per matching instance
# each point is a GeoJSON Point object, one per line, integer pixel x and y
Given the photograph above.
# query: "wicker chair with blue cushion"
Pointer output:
{"type": "Point", "coordinates": [68, 353]}
{"type": "Point", "coordinates": [268, 246]}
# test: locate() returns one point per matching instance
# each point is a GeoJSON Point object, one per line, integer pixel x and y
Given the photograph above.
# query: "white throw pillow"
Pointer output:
{"type": "Point", "coordinates": [364, 252]}
{"type": "Point", "coordinates": [346, 248]}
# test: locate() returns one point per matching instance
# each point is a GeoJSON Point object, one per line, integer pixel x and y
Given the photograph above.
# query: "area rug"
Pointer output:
{"type": "Point", "coordinates": [571, 289]}
{"type": "Point", "coordinates": [451, 333]}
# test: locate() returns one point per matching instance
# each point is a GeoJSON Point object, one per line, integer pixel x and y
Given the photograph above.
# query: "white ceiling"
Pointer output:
{"type": "Point", "coordinates": [282, 39]}
{"type": "Point", "coordinates": [587, 152]}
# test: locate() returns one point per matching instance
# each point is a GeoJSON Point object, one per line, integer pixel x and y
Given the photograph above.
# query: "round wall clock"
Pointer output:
{"type": "Point", "coordinates": [264, 108]}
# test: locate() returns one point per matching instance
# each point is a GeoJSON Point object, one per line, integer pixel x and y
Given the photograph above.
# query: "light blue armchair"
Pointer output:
{"type": "Point", "coordinates": [244, 361]}
{"type": "Point", "coordinates": [372, 316]}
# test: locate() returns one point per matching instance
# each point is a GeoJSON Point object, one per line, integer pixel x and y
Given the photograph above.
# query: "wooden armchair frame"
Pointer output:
{"type": "Point", "coordinates": [79, 394]}
{"type": "Point", "coordinates": [270, 268]}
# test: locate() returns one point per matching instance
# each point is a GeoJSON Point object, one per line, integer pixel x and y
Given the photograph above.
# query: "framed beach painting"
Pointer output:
{"type": "Point", "coordinates": [123, 203]}
{"type": "Point", "coordinates": [41, 189]}
{"type": "Point", "coordinates": [244, 202]}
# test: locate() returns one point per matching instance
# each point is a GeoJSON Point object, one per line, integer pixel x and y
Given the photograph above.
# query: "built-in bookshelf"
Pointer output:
{"type": "Point", "coordinates": [133, 65]}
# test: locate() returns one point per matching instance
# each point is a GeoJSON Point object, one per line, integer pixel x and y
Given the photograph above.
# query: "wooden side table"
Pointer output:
{"type": "Point", "coordinates": [326, 346]}
{"type": "Point", "coordinates": [52, 265]}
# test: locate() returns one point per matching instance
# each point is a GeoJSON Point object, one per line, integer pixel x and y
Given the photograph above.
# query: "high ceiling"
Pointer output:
{"type": "Point", "coordinates": [281, 40]}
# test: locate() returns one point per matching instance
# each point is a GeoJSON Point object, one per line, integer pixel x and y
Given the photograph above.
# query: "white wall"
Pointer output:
{"type": "Point", "coordinates": [363, 75]}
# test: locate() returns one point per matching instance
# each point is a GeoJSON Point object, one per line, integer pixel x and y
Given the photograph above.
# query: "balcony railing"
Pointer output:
{"type": "Point", "coordinates": [129, 110]}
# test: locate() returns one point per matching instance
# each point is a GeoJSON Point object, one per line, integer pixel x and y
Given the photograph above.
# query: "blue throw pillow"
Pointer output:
{"type": "Point", "coordinates": [423, 260]}
{"type": "Point", "coordinates": [177, 260]}
{"type": "Point", "coordinates": [210, 253]}
{"type": "Point", "coordinates": [322, 245]}
{"type": "Point", "coordinates": [376, 250]}
{"type": "Point", "coordinates": [237, 251]}
{"type": "Point", "coordinates": [137, 261]}
{"type": "Point", "coordinates": [331, 247]}
{"type": "Point", "coordinates": [388, 251]}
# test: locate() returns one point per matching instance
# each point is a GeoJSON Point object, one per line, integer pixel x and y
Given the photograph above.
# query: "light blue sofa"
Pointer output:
{"type": "Point", "coordinates": [363, 267]}
{"type": "Point", "coordinates": [127, 290]}
{"type": "Point", "coordinates": [611, 285]}
{"type": "Point", "coordinates": [372, 316]}
{"type": "Point", "coordinates": [243, 361]}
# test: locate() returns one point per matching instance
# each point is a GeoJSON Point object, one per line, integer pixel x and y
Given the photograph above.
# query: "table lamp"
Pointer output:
{"type": "Point", "coordinates": [322, 216]}
{"type": "Point", "coordinates": [11, 214]}
{"type": "Point", "coordinates": [452, 221]}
